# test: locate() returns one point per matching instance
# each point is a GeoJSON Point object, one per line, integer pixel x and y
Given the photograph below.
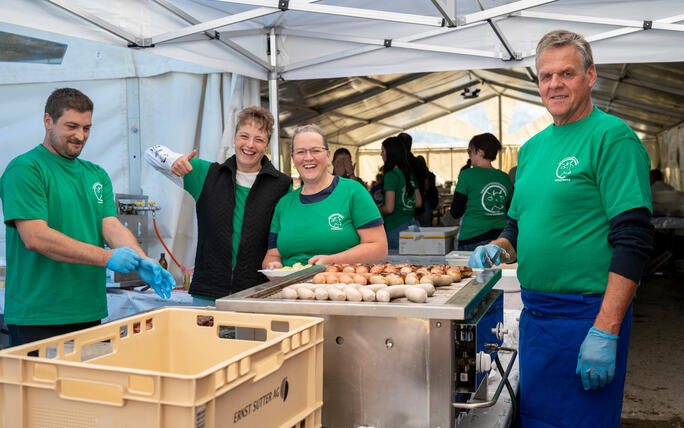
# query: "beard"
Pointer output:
{"type": "Point", "coordinates": [62, 148]}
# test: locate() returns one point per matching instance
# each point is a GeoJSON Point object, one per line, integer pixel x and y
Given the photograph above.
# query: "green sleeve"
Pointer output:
{"type": "Point", "coordinates": [275, 221]}
{"type": "Point", "coordinates": [462, 183]}
{"type": "Point", "coordinates": [363, 209]}
{"type": "Point", "coordinates": [391, 182]}
{"type": "Point", "coordinates": [23, 194]}
{"type": "Point", "coordinates": [193, 182]}
{"type": "Point", "coordinates": [107, 195]}
{"type": "Point", "coordinates": [622, 173]}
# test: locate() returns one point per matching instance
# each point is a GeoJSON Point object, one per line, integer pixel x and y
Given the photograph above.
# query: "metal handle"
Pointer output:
{"type": "Point", "coordinates": [504, 379]}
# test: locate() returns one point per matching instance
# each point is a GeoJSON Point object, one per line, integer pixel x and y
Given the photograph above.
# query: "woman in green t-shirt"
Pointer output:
{"type": "Point", "coordinates": [482, 195]}
{"type": "Point", "coordinates": [401, 195]}
{"type": "Point", "coordinates": [329, 219]}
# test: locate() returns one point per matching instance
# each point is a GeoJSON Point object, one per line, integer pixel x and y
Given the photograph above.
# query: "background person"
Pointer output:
{"type": "Point", "coordinates": [234, 201]}
{"type": "Point", "coordinates": [430, 195]}
{"type": "Point", "coordinates": [59, 212]}
{"type": "Point", "coordinates": [401, 196]}
{"type": "Point", "coordinates": [580, 224]}
{"type": "Point", "coordinates": [343, 166]}
{"type": "Point", "coordinates": [329, 219]}
{"type": "Point", "coordinates": [482, 195]}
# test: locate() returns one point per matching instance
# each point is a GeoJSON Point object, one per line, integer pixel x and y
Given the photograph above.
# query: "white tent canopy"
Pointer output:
{"type": "Point", "coordinates": [185, 95]}
{"type": "Point", "coordinates": [334, 38]}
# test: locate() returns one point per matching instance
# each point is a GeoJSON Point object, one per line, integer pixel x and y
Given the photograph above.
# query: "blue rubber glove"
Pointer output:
{"type": "Point", "coordinates": [123, 260]}
{"type": "Point", "coordinates": [596, 359]}
{"type": "Point", "coordinates": [157, 277]}
{"type": "Point", "coordinates": [485, 256]}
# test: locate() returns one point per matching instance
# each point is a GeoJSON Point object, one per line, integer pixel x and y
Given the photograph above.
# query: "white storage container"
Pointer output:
{"type": "Point", "coordinates": [427, 241]}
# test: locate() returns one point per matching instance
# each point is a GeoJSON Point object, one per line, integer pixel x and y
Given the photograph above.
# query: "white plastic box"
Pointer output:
{"type": "Point", "coordinates": [427, 241]}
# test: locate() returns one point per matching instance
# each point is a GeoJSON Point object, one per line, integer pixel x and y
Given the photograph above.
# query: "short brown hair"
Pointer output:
{"type": "Point", "coordinates": [558, 38]}
{"type": "Point", "coordinates": [67, 99]}
{"type": "Point", "coordinates": [262, 118]}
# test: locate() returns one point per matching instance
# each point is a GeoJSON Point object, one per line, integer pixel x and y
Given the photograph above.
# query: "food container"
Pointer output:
{"type": "Point", "coordinates": [173, 367]}
{"type": "Point", "coordinates": [427, 241]}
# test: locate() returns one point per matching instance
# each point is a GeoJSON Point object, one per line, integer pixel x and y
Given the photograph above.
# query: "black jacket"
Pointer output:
{"type": "Point", "coordinates": [215, 275]}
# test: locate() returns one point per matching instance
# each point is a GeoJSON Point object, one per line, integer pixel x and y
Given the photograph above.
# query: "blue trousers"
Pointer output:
{"type": "Point", "coordinates": [552, 328]}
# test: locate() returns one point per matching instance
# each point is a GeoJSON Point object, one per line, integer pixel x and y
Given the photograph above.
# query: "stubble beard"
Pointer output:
{"type": "Point", "coordinates": [62, 149]}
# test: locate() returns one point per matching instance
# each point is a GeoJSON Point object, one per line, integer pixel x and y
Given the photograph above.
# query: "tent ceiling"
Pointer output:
{"type": "Point", "coordinates": [428, 45]}
{"type": "Point", "coordinates": [339, 38]}
{"type": "Point", "coordinates": [359, 110]}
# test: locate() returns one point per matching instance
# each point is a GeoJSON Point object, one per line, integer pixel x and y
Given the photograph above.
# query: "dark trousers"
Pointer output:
{"type": "Point", "coordinates": [21, 334]}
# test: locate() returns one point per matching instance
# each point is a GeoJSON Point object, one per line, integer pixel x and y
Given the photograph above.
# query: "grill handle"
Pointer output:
{"type": "Point", "coordinates": [504, 379]}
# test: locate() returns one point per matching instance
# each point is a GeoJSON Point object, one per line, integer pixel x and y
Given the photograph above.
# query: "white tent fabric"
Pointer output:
{"type": "Point", "coordinates": [183, 106]}
{"type": "Point", "coordinates": [334, 38]}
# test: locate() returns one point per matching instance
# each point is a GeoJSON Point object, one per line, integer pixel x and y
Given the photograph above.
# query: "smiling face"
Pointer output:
{"type": "Point", "coordinates": [310, 157]}
{"type": "Point", "coordinates": [67, 135]}
{"type": "Point", "coordinates": [564, 86]}
{"type": "Point", "coordinates": [251, 144]}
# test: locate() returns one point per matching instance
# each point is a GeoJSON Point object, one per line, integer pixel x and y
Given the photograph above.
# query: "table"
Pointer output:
{"type": "Point", "coordinates": [122, 303]}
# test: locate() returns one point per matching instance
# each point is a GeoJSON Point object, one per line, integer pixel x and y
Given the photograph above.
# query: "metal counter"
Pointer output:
{"type": "Point", "coordinates": [398, 364]}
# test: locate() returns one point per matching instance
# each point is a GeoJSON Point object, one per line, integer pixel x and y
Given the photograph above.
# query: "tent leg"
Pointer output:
{"type": "Point", "coordinates": [500, 135]}
{"type": "Point", "coordinates": [133, 131]}
{"type": "Point", "coordinates": [273, 100]}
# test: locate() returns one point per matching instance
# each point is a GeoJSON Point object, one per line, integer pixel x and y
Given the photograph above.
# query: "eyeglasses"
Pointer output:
{"type": "Point", "coordinates": [314, 151]}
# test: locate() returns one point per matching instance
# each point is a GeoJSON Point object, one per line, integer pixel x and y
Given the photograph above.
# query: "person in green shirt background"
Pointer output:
{"type": "Point", "coordinates": [328, 219]}
{"type": "Point", "coordinates": [482, 195]}
{"type": "Point", "coordinates": [581, 232]}
{"type": "Point", "coordinates": [401, 195]}
{"type": "Point", "coordinates": [343, 165]}
{"type": "Point", "coordinates": [234, 202]}
{"type": "Point", "coordinates": [59, 212]}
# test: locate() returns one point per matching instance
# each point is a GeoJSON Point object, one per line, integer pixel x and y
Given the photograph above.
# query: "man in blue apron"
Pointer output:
{"type": "Point", "coordinates": [580, 229]}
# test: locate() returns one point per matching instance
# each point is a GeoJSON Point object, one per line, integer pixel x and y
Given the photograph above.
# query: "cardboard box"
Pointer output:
{"type": "Point", "coordinates": [427, 241]}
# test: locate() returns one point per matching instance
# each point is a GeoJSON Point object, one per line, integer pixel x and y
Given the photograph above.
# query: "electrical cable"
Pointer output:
{"type": "Point", "coordinates": [514, 398]}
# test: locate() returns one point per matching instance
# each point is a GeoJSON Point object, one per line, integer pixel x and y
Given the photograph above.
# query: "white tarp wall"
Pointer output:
{"type": "Point", "coordinates": [180, 105]}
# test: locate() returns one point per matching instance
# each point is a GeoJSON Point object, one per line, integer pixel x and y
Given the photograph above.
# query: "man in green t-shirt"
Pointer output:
{"type": "Point", "coordinates": [580, 229]}
{"type": "Point", "coordinates": [59, 212]}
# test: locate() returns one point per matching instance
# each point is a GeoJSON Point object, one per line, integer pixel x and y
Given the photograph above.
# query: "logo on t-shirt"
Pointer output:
{"type": "Point", "coordinates": [406, 199]}
{"type": "Point", "coordinates": [97, 188]}
{"type": "Point", "coordinates": [494, 197]}
{"type": "Point", "coordinates": [335, 221]}
{"type": "Point", "coordinates": [565, 167]}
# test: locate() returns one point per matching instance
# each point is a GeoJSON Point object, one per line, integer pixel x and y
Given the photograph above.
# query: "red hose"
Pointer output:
{"type": "Point", "coordinates": [154, 222]}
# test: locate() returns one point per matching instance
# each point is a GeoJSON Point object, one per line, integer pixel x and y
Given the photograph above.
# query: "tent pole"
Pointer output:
{"type": "Point", "coordinates": [500, 134]}
{"type": "Point", "coordinates": [133, 128]}
{"type": "Point", "coordinates": [273, 100]}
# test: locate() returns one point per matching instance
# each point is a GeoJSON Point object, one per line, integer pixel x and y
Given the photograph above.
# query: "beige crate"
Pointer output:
{"type": "Point", "coordinates": [172, 367]}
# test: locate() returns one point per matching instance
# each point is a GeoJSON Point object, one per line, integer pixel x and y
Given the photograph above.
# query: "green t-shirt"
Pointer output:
{"type": "Point", "coordinates": [404, 204]}
{"type": "Point", "coordinates": [489, 192]}
{"type": "Point", "coordinates": [73, 197]}
{"type": "Point", "coordinates": [571, 181]}
{"type": "Point", "coordinates": [324, 227]}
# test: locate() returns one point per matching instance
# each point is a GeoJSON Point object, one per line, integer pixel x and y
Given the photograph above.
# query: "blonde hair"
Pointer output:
{"type": "Point", "coordinates": [309, 128]}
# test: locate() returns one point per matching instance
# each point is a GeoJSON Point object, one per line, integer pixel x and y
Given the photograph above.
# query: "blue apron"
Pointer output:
{"type": "Point", "coordinates": [552, 328]}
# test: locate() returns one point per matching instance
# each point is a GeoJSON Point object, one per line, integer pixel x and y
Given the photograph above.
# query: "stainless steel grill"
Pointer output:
{"type": "Point", "coordinates": [399, 363]}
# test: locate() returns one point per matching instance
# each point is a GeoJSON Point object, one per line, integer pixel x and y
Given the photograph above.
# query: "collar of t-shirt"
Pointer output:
{"type": "Point", "coordinates": [246, 179]}
{"type": "Point", "coordinates": [318, 197]}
